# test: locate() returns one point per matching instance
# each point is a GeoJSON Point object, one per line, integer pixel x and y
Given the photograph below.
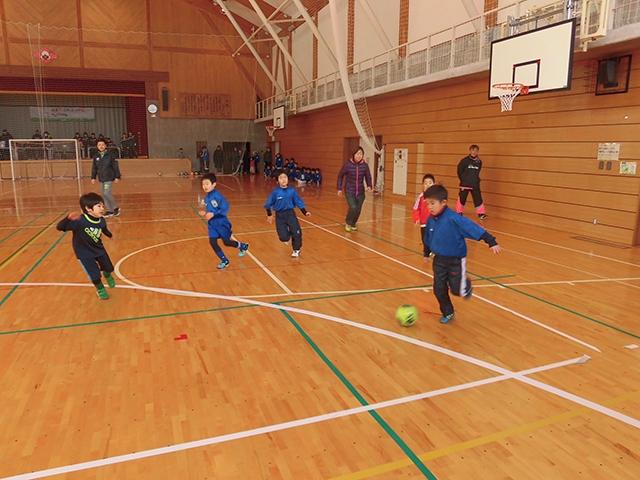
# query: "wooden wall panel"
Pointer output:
{"type": "Point", "coordinates": [123, 59]}
{"type": "Point", "coordinates": [121, 15]}
{"type": "Point", "coordinates": [540, 160]}
{"type": "Point", "coordinates": [60, 13]}
{"type": "Point", "coordinates": [182, 42]}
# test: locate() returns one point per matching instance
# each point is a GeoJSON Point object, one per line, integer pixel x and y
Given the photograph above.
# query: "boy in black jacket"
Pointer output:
{"type": "Point", "coordinates": [105, 167]}
{"type": "Point", "coordinates": [87, 229]}
{"type": "Point", "coordinates": [469, 175]}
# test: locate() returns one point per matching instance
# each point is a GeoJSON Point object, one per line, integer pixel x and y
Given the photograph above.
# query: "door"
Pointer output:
{"type": "Point", "coordinates": [400, 167]}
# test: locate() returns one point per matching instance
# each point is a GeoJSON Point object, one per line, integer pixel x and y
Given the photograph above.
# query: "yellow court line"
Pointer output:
{"type": "Point", "coordinates": [389, 467]}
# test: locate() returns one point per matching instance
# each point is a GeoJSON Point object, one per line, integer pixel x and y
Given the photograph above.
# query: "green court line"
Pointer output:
{"type": "Point", "coordinates": [24, 226]}
{"type": "Point", "coordinates": [6, 297]}
{"type": "Point", "coordinates": [25, 244]}
{"type": "Point", "coordinates": [547, 302]}
{"type": "Point", "coordinates": [192, 312]}
{"type": "Point", "coordinates": [387, 428]}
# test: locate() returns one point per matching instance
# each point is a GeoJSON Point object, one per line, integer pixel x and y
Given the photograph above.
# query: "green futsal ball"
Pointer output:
{"type": "Point", "coordinates": [407, 315]}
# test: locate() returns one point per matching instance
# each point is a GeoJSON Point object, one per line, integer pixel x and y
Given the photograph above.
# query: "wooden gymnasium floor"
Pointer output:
{"type": "Point", "coordinates": [281, 368]}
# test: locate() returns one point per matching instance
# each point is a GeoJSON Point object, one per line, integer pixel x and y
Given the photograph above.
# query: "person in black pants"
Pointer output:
{"type": "Point", "coordinates": [469, 175]}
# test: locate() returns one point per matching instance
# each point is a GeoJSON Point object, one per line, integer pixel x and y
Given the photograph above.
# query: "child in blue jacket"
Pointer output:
{"type": "Point", "coordinates": [283, 199]}
{"type": "Point", "coordinates": [444, 241]}
{"type": "Point", "coordinates": [215, 214]}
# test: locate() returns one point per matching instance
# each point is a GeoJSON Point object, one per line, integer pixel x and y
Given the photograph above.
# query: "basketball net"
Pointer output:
{"type": "Point", "coordinates": [507, 92]}
{"type": "Point", "coordinates": [271, 130]}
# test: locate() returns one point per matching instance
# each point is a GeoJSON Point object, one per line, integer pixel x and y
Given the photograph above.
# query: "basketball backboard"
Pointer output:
{"type": "Point", "coordinates": [279, 119]}
{"type": "Point", "coordinates": [540, 59]}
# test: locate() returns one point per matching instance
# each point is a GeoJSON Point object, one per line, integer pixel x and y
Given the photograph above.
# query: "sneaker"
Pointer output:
{"type": "Point", "coordinates": [354, 228]}
{"type": "Point", "coordinates": [116, 211]}
{"type": "Point", "coordinates": [481, 216]}
{"type": "Point", "coordinates": [461, 214]}
{"type": "Point", "coordinates": [102, 293]}
{"type": "Point", "coordinates": [243, 251]}
{"type": "Point", "coordinates": [348, 228]}
{"type": "Point", "coordinates": [111, 281]}
{"type": "Point", "coordinates": [447, 318]}
{"type": "Point", "coordinates": [296, 253]}
{"type": "Point", "coordinates": [223, 264]}
{"type": "Point", "coordinates": [469, 294]}
{"type": "Point", "coordinates": [108, 214]}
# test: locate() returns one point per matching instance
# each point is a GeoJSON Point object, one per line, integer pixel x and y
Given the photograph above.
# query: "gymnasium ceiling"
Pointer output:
{"type": "Point", "coordinates": [283, 15]}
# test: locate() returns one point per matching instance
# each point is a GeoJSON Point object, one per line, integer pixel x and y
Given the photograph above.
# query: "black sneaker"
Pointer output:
{"type": "Point", "coordinates": [116, 211]}
{"type": "Point", "coordinates": [108, 214]}
{"type": "Point", "coordinates": [482, 216]}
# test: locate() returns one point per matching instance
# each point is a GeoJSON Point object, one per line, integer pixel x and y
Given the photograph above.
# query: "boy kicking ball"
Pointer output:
{"type": "Point", "coordinates": [444, 241]}
{"type": "Point", "coordinates": [87, 229]}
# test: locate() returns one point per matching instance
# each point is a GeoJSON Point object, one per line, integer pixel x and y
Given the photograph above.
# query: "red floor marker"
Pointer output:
{"type": "Point", "coordinates": [181, 337]}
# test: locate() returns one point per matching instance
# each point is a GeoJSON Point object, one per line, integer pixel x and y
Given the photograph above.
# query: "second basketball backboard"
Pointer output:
{"type": "Point", "coordinates": [540, 59]}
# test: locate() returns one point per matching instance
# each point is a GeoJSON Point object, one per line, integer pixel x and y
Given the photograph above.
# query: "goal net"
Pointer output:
{"type": "Point", "coordinates": [40, 158]}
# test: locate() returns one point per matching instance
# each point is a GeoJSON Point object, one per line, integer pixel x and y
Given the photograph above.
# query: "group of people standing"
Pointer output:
{"type": "Point", "coordinates": [240, 160]}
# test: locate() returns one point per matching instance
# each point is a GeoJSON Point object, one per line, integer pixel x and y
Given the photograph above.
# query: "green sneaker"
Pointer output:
{"type": "Point", "coordinates": [347, 227]}
{"type": "Point", "coordinates": [354, 229]}
{"type": "Point", "coordinates": [110, 281]}
{"type": "Point", "coordinates": [102, 293]}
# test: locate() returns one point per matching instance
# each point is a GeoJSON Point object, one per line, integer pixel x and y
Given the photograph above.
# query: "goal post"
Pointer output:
{"type": "Point", "coordinates": [44, 158]}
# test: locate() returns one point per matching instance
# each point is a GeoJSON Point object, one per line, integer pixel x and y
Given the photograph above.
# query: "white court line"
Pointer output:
{"type": "Point", "coordinates": [497, 305]}
{"type": "Point", "coordinates": [565, 266]}
{"type": "Point", "coordinates": [119, 273]}
{"type": "Point", "coordinates": [286, 425]}
{"type": "Point", "coordinates": [567, 248]}
{"type": "Point", "coordinates": [561, 282]}
{"type": "Point", "coordinates": [268, 272]}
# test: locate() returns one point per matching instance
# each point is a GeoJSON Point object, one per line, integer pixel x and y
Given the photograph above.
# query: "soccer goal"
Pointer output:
{"type": "Point", "coordinates": [43, 158]}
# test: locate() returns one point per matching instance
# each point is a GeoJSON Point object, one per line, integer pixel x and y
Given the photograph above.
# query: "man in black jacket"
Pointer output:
{"type": "Point", "coordinates": [105, 167]}
{"type": "Point", "coordinates": [469, 175]}
{"type": "Point", "coordinates": [4, 144]}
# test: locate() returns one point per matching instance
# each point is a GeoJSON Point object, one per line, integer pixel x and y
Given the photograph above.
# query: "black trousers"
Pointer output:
{"type": "Point", "coordinates": [288, 227]}
{"type": "Point", "coordinates": [475, 194]}
{"type": "Point", "coordinates": [449, 273]}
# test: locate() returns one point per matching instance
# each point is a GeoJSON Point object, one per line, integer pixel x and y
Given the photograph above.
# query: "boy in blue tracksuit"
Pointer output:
{"type": "Point", "coordinates": [283, 199]}
{"type": "Point", "coordinates": [444, 241]}
{"type": "Point", "coordinates": [215, 214]}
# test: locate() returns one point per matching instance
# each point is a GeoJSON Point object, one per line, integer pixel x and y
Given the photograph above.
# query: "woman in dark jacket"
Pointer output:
{"type": "Point", "coordinates": [357, 172]}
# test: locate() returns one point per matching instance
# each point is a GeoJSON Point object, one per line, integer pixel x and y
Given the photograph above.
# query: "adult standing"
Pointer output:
{"type": "Point", "coordinates": [469, 175]}
{"type": "Point", "coordinates": [267, 157]}
{"type": "Point", "coordinates": [4, 144]}
{"type": "Point", "coordinates": [105, 167]}
{"type": "Point", "coordinates": [218, 159]}
{"type": "Point", "coordinates": [246, 160]}
{"type": "Point", "coordinates": [357, 172]}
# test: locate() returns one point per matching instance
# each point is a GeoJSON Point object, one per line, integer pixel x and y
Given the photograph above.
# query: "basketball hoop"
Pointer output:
{"type": "Point", "coordinates": [271, 130]}
{"type": "Point", "coordinates": [508, 91]}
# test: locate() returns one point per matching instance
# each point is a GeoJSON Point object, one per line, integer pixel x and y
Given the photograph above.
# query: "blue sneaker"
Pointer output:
{"type": "Point", "coordinates": [243, 251]}
{"type": "Point", "coordinates": [447, 318]}
{"type": "Point", "coordinates": [223, 264]}
{"type": "Point", "coordinates": [469, 295]}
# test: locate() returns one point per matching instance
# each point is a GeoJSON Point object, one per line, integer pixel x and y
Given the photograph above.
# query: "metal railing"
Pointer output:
{"type": "Point", "coordinates": [464, 44]}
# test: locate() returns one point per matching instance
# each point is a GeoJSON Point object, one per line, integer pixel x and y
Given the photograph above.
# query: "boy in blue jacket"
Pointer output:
{"type": "Point", "coordinates": [283, 200]}
{"type": "Point", "coordinates": [217, 208]}
{"type": "Point", "coordinates": [444, 241]}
